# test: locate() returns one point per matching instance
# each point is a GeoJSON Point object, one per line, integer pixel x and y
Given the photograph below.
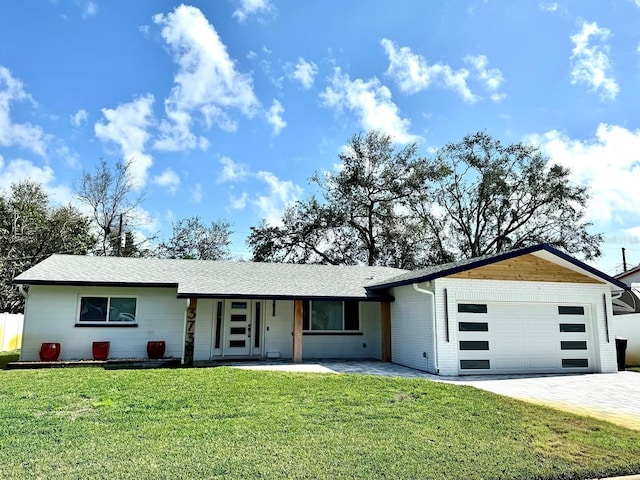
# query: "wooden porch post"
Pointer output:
{"type": "Point", "coordinates": [190, 332]}
{"type": "Point", "coordinates": [385, 311]}
{"type": "Point", "coordinates": [297, 331]}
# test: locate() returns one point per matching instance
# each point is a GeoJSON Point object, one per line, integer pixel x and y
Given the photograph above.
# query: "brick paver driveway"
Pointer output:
{"type": "Point", "coordinates": [610, 396]}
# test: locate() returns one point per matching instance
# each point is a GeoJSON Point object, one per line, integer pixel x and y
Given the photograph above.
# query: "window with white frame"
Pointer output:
{"type": "Point", "coordinates": [107, 309]}
{"type": "Point", "coordinates": [330, 316]}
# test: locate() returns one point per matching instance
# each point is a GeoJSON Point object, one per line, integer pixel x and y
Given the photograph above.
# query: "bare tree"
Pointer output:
{"type": "Point", "coordinates": [193, 239]}
{"type": "Point", "coordinates": [112, 197]}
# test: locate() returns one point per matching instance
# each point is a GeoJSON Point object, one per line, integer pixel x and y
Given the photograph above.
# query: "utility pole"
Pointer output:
{"type": "Point", "coordinates": [624, 260]}
{"type": "Point", "coordinates": [120, 238]}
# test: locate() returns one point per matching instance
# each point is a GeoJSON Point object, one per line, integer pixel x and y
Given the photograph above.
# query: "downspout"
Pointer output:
{"type": "Point", "coordinates": [22, 291]}
{"type": "Point", "coordinates": [433, 312]}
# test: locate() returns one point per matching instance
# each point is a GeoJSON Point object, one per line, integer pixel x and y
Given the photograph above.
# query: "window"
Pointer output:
{"type": "Point", "coordinates": [108, 309]}
{"type": "Point", "coordinates": [575, 363]}
{"type": "Point", "coordinates": [570, 310]}
{"type": "Point", "coordinates": [330, 316]}
{"type": "Point", "coordinates": [474, 365]}
{"type": "Point", "coordinates": [473, 326]}
{"type": "Point", "coordinates": [573, 327]}
{"type": "Point", "coordinates": [474, 345]}
{"type": "Point", "coordinates": [573, 345]}
{"type": "Point", "coordinates": [472, 308]}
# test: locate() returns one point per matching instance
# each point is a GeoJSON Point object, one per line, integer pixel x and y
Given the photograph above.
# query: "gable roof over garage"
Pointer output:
{"type": "Point", "coordinates": [571, 269]}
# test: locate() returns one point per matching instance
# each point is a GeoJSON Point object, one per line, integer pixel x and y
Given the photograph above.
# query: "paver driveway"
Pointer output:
{"type": "Point", "coordinates": [614, 397]}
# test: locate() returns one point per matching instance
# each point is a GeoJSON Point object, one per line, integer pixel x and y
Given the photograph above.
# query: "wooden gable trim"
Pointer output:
{"type": "Point", "coordinates": [525, 268]}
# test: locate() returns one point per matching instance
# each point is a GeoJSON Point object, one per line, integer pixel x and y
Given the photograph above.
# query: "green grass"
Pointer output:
{"type": "Point", "coordinates": [6, 357]}
{"type": "Point", "coordinates": [222, 422]}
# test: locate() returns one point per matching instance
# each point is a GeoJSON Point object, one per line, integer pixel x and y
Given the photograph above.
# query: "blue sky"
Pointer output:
{"type": "Point", "coordinates": [227, 107]}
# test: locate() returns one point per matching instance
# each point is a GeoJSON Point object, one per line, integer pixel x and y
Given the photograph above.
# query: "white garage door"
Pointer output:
{"type": "Point", "coordinates": [506, 337]}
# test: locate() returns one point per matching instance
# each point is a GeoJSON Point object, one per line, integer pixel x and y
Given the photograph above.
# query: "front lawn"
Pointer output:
{"type": "Point", "coordinates": [7, 357]}
{"type": "Point", "coordinates": [223, 422]}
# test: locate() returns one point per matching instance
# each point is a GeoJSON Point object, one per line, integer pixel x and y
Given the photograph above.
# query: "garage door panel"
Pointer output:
{"type": "Point", "coordinates": [543, 363]}
{"type": "Point", "coordinates": [507, 346]}
{"type": "Point", "coordinates": [505, 327]}
{"type": "Point", "coordinates": [529, 337]}
{"type": "Point", "coordinates": [540, 347]}
{"type": "Point", "coordinates": [508, 364]}
{"type": "Point", "coordinates": [540, 328]}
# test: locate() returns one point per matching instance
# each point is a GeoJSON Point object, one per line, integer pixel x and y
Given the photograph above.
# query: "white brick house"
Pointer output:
{"type": "Point", "coordinates": [532, 310]}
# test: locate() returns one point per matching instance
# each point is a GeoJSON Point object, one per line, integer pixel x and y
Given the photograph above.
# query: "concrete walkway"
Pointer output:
{"type": "Point", "coordinates": [614, 397]}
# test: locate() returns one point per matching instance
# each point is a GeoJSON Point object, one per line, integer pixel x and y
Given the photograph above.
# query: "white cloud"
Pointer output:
{"type": "Point", "coordinates": [590, 63]}
{"type": "Point", "coordinates": [231, 171]}
{"type": "Point", "coordinates": [304, 72]}
{"type": "Point", "coordinates": [251, 7]}
{"type": "Point", "coordinates": [127, 125]}
{"type": "Point", "coordinates": [370, 101]}
{"type": "Point", "coordinates": [168, 179]}
{"type": "Point", "coordinates": [19, 169]}
{"type": "Point", "coordinates": [280, 194]}
{"type": "Point", "coordinates": [274, 117]}
{"type": "Point", "coordinates": [206, 82]}
{"type": "Point", "coordinates": [80, 118]}
{"type": "Point", "coordinates": [196, 194]}
{"type": "Point", "coordinates": [238, 203]}
{"type": "Point", "coordinates": [25, 135]}
{"type": "Point", "coordinates": [88, 8]}
{"type": "Point", "coordinates": [549, 7]}
{"type": "Point", "coordinates": [413, 73]}
{"type": "Point", "coordinates": [491, 78]}
{"type": "Point", "coordinates": [609, 164]}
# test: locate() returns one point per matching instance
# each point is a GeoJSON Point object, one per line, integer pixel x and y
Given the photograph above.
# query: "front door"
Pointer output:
{"type": "Point", "coordinates": [238, 328]}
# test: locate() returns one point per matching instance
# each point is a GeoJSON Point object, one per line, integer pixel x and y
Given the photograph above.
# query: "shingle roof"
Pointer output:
{"type": "Point", "coordinates": [438, 271]}
{"type": "Point", "coordinates": [201, 278]}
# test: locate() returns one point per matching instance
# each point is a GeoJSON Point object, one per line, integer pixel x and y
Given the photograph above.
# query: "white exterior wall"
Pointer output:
{"type": "Point", "coordinates": [412, 328]}
{"type": "Point", "coordinates": [278, 335]}
{"type": "Point", "coordinates": [628, 326]}
{"type": "Point", "coordinates": [507, 291]}
{"type": "Point", "coordinates": [367, 345]}
{"type": "Point", "coordinates": [205, 325]}
{"type": "Point", "coordinates": [279, 328]}
{"type": "Point", "coordinates": [52, 312]}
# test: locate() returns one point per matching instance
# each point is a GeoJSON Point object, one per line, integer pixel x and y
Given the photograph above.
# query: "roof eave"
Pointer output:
{"type": "Point", "coordinates": [500, 258]}
{"type": "Point", "coordinates": [367, 298]}
{"type": "Point", "coordinates": [73, 283]}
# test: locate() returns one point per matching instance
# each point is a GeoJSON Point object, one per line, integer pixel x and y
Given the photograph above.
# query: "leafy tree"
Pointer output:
{"type": "Point", "coordinates": [192, 239]}
{"type": "Point", "coordinates": [362, 215]}
{"type": "Point", "coordinates": [31, 229]}
{"type": "Point", "coordinates": [111, 195]}
{"type": "Point", "coordinates": [497, 197]}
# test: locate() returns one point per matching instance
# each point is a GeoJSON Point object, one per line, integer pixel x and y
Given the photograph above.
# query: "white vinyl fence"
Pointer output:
{"type": "Point", "coordinates": [10, 331]}
{"type": "Point", "coordinates": [628, 326]}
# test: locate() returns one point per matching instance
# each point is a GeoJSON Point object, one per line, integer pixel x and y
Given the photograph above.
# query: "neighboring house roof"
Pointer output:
{"type": "Point", "coordinates": [628, 273]}
{"type": "Point", "coordinates": [203, 278]}
{"type": "Point", "coordinates": [543, 250]}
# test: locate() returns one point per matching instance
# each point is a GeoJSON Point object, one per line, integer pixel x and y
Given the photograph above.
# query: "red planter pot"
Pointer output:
{"type": "Point", "coordinates": [155, 349]}
{"type": "Point", "coordinates": [100, 350]}
{"type": "Point", "coordinates": [49, 352]}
